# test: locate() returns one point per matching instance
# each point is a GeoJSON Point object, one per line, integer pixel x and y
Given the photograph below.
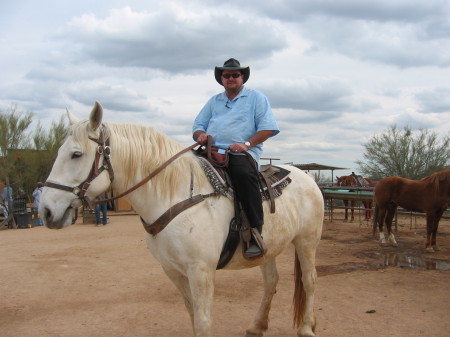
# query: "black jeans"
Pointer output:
{"type": "Point", "coordinates": [246, 187]}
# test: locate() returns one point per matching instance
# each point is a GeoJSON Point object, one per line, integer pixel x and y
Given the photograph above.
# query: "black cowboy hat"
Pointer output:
{"type": "Point", "coordinates": [231, 64]}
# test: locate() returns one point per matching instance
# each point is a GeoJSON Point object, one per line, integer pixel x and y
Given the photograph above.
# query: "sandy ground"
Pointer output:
{"type": "Point", "coordinates": [102, 281]}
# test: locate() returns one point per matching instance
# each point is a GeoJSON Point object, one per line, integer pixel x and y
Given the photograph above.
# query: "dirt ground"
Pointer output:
{"type": "Point", "coordinates": [102, 281]}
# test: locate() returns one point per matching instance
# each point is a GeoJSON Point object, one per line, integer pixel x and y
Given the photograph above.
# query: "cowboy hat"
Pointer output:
{"type": "Point", "coordinates": [231, 64]}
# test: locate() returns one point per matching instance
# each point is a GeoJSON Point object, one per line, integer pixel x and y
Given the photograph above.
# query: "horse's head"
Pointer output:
{"type": "Point", "coordinates": [341, 180]}
{"type": "Point", "coordinates": [77, 173]}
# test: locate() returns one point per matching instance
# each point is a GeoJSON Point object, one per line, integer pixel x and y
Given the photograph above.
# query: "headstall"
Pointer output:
{"type": "Point", "coordinates": [104, 150]}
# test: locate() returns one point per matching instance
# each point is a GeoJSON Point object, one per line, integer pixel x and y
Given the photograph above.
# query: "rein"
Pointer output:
{"type": "Point", "coordinates": [150, 176]}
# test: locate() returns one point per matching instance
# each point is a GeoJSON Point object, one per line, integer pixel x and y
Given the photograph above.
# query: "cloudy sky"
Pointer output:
{"type": "Point", "coordinates": [336, 71]}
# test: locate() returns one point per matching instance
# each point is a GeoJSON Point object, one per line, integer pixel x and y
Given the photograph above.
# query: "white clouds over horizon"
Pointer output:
{"type": "Point", "coordinates": [336, 72]}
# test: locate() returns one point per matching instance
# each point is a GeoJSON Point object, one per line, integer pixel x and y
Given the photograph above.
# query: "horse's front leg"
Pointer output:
{"type": "Point", "coordinates": [367, 207]}
{"type": "Point", "coordinates": [197, 290]}
{"type": "Point", "coordinates": [182, 283]}
{"type": "Point", "coordinates": [346, 210]}
{"type": "Point", "coordinates": [261, 321]}
{"type": "Point", "coordinates": [201, 283]}
{"type": "Point", "coordinates": [352, 211]}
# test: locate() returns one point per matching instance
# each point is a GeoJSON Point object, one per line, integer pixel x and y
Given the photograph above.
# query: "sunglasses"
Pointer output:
{"type": "Point", "coordinates": [227, 76]}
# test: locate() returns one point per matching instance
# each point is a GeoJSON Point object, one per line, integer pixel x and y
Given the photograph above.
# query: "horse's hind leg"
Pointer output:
{"type": "Point", "coordinates": [305, 283]}
{"type": "Point", "coordinates": [432, 227]}
{"type": "Point", "coordinates": [389, 217]}
{"type": "Point", "coordinates": [379, 218]}
{"type": "Point", "coordinates": [261, 320]}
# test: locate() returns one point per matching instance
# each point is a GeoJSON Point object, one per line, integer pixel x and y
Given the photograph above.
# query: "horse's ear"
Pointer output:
{"type": "Point", "coordinates": [72, 118]}
{"type": "Point", "coordinates": [95, 118]}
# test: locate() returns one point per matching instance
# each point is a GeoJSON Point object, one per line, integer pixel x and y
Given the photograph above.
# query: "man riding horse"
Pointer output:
{"type": "Point", "coordinates": [240, 120]}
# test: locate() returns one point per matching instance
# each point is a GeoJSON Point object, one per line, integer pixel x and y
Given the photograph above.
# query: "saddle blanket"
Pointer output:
{"type": "Point", "coordinates": [277, 176]}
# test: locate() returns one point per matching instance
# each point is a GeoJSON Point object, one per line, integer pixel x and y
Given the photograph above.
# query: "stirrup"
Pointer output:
{"type": "Point", "coordinates": [255, 247]}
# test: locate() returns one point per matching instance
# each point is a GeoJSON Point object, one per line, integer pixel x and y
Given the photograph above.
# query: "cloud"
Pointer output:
{"type": "Point", "coordinates": [401, 33]}
{"type": "Point", "coordinates": [171, 39]}
{"type": "Point", "coordinates": [435, 100]}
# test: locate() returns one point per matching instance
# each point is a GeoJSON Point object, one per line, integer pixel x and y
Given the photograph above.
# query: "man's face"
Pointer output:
{"type": "Point", "coordinates": [232, 83]}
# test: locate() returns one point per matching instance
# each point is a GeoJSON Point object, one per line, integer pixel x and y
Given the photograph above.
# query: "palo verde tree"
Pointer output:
{"type": "Point", "coordinates": [27, 155]}
{"type": "Point", "coordinates": [13, 135]}
{"type": "Point", "coordinates": [405, 154]}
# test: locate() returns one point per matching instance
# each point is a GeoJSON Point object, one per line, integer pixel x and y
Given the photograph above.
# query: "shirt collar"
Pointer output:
{"type": "Point", "coordinates": [242, 93]}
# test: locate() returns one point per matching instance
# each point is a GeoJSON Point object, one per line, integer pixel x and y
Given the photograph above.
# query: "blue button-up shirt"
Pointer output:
{"type": "Point", "coordinates": [238, 120]}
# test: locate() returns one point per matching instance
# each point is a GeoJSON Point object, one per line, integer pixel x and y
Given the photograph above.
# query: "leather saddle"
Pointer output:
{"type": "Point", "coordinates": [273, 180]}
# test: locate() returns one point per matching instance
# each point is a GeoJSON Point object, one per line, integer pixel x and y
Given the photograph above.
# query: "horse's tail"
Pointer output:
{"type": "Point", "coordinates": [375, 220]}
{"type": "Point", "coordinates": [299, 293]}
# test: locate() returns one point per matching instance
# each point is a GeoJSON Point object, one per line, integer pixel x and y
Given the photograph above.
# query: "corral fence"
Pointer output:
{"type": "Point", "coordinates": [335, 195]}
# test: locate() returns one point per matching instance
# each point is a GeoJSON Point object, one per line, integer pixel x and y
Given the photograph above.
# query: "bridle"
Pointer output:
{"type": "Point", "coordinates": [104, 150]}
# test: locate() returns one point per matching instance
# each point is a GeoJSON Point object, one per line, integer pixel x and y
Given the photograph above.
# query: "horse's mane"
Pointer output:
{"type": "Point", "coordinates": [439, 180]}
{"type": "Point", "coordinates": [370, 182]}
{"type": "Point", "coordinates": [141, 150]}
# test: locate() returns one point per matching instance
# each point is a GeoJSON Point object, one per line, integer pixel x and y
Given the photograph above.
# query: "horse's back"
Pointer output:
{"type": "Point", "coordinates": [413, 195]}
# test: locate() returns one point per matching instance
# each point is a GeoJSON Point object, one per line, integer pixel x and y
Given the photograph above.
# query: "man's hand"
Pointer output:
{"type": "Point", "coordinates": [238, 147]}
{"type": "Point", "coordinates": [202, 138]}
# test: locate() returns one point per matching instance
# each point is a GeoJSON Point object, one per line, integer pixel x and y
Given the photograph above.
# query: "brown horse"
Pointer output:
{"type": "Point", "coordinates": [353, 181]}
{"type": "Point", "coordinates": [431, 195]}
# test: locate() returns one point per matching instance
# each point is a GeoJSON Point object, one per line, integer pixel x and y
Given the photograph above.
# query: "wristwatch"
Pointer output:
{"type": "Point", "coordinates": [247, 143]}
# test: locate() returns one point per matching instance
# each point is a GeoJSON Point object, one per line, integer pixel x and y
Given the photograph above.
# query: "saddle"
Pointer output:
{"type": "Point", "coordinates": [359, 180]}
{"type": "Point", "coordinates": [273, 180]}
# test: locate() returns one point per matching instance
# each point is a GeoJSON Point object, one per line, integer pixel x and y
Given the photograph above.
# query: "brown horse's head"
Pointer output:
{"type": "Point", "coordinates": [346, 181]}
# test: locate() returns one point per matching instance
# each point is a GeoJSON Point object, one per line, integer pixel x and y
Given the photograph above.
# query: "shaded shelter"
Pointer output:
{"type": "Point", "coordinates": [319, 167]}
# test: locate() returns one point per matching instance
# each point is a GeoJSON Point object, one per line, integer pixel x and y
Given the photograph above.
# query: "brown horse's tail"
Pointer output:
{"type": "Point", "coordinates": [375, 220]}
{"type": "Point", "coordinates": [299, 293]}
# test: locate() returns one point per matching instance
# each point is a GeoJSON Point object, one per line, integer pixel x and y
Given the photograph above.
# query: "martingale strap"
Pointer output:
{"type": "Point", "coordinates": [161, 223]}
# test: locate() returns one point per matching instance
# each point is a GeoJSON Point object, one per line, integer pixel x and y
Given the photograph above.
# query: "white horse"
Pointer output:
{"type": "Point", "coordinates": [188, 249]}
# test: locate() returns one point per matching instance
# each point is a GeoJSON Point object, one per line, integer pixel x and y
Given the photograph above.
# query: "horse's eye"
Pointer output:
{"type": "Point", "coordinates": [76, 154]}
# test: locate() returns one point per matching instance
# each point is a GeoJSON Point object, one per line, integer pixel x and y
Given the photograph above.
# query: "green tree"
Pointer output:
{"type": "Point", "coordinates": [27, 156]}
{"type": "Point", "coordinates": [405, 154]}
{"type": "Point", "coordinates": [13, 135]}
{"type": "Point", "coordinates": [47, 145]}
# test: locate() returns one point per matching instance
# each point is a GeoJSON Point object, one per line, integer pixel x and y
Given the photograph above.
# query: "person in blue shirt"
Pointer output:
{"type": "Point", "coordinates": [239, 119]}
{"type": "Point", "coordinates": [7, 195]}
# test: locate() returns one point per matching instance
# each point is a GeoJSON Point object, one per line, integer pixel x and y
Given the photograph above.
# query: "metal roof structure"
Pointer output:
{"type": "Point", "coordinates": [319, 167]}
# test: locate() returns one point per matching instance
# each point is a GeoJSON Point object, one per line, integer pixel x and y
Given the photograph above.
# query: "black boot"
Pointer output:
{"type": "Point", "coordinates": [256, 247]}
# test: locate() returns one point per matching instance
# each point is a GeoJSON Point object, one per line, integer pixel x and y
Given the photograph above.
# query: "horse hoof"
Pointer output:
{"type": "Point", "coordinates": [429, 250]}
{"type": "Point", "coordinates": [436, 248]}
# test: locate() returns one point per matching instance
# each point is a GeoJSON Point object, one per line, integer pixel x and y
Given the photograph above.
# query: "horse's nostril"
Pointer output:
{"type": "Point", "coordinates": [47, 213]}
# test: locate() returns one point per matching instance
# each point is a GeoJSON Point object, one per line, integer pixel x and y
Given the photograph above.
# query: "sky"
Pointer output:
{"type": "Point", "coordinates": [336, 72]}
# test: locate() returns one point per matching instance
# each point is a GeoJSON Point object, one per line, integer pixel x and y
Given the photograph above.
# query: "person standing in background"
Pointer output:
{"type": "Point", "coordinates": [37, 198]}
{"type": "Point", "coordinates": [103, 208]}
{"type": "Point", "coordinates": [7, 195]}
